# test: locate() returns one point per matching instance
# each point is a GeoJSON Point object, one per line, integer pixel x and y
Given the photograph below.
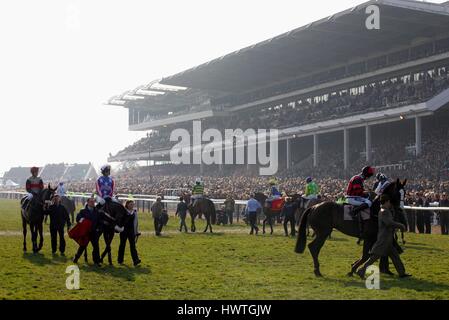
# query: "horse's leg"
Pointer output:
{"type": "Point", "coordinates": [33, 229]}
{"type": "Point", "coordinates": [270, 221]}
{"type": "Point", "coordinates": [24, 230]}
{"type": "Point", "coordinates": [192, 226]}
{"type": "Point", "coordinates": [365, 256]}
{"type": "Point", "coordinates": [207, 222]}
{"type": "Point", "coordinates": [103, 254]}
{"type": "Point", "coordinates": [41, 236]}
{"type": "Point", "coordinates": [111, 237]}
{"type": "Point", "coordinates": [315, 247]}
{"type": "Point", "coordinates": [85, 254]}
{"type": "Point", "coordinates": [263, 225]}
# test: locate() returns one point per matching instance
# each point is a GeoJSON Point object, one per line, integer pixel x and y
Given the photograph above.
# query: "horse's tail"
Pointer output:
{"type": "Point", "coordinates": [213, 214]}
{"type": "Point", "coordinates": [302, 236]}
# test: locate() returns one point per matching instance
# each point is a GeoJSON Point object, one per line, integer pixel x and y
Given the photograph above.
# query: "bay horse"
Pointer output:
{"type": "Point", "coordinates": [326, 216]}
{"type": "Point", "coordinates": [207, 208]}
{"type": "Point", "coordinates": [33, 214]}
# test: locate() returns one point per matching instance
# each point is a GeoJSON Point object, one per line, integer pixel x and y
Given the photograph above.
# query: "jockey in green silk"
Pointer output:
{"type": "Point", "coordinates": [312, 191]}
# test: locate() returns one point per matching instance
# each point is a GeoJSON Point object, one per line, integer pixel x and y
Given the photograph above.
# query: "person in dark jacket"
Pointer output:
{"type": "Point", "coordinates": [229, 208]}
{"type": "Point", "coordinates": [129, 234]}
{"type": "Point", "coordinates": [156, 210]}
{"type": "Point", "coordinates": [59, 217]}
{"type": "Point", "coordinates": [91, 213]}
{"type": "Point", "coordinates": [444, 215]}
{"type": "Point", "coordinates": [181, 210]}
{"type": "Point", "coordinates": [384, 246]}
{"type": "Point", "coordinates": [288, 212]}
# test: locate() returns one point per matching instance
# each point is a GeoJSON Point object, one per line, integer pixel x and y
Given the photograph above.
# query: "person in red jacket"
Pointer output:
{"type": "Point", "coordinates": [34, 185]}
{"type": "Point", "coordinates": [355, 192]}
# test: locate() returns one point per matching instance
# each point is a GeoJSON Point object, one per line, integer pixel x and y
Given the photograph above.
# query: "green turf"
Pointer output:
{"type": "Point", "coordinates": [229, 264]}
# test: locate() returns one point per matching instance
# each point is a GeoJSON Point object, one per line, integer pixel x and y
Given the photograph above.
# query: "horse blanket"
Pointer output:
{"type": "Point", "coordinates": [80, 232]}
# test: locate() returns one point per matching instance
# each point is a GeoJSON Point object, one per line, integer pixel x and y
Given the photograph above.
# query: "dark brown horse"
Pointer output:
{"type": "Point", "coordinates": [326, 216]}
{"type": "Point", "coordinates": [205, 207]}
{"type": "Point", "coordinates": [33, 214]}
{"type": "Point", "coordinates": [113, 215]}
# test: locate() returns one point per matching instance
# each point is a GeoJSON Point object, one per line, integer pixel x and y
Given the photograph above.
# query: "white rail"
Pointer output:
{"type": "Point", "coordinates": [152, 198]}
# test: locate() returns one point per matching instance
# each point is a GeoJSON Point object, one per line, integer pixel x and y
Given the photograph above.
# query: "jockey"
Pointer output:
{"type": "Point", "coordinates": [34, 184]}
{"type": "Point", "coordinates": [274, 191]}
{"type": "Point", "coordinates": [61, 190]}
{"type": "Point", "coordinates": [381, 183]}
{"type": "Point", "coordinates": [312, 190]}
{"type": "Point", "coordinates": [355, 192]}
{"type": "Point", "coordinates": [105, 186]}
{"type": "Point", "coordinates": [197, 190]}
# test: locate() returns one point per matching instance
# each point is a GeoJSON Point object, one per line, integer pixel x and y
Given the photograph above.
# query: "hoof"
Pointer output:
{"type": "Point", "coordinates": [318, 273]}
{"type": "Point", "coordinates": [350, 274]}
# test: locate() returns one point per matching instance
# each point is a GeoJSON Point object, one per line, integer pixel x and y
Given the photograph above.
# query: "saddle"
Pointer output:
{"type": "Point", "coordinates": [347, 210]}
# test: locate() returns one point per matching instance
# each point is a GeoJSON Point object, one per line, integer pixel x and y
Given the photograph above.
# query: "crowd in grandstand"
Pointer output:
{"type": "Point", "coordinates": [408, 89]}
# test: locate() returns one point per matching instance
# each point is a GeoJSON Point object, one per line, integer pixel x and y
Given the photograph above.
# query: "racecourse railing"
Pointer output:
{"type": "Point", "coordinates": [144, 202]}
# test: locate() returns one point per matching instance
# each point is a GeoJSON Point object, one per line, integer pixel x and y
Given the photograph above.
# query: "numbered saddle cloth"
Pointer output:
{"type": "Point", "coordinates": [347, 209]}
{"type": "Point", "coordinates": [80, 232]}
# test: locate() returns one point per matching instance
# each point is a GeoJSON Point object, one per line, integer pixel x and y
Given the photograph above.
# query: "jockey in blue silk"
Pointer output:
{"type": "Point", "coordinates": [274, 192]}
{"type": "Point", "coordinates": [105, 186]}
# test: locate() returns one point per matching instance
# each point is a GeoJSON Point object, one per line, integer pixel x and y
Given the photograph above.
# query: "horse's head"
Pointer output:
{"type": "Point", "coordinates": [113, 214]}
{"type": "Point", "coordinates": [44, 197]}
{"type": "Point", "coordinates": [396, 191]}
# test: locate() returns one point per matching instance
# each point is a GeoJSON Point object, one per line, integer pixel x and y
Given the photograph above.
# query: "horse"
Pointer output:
{"type": "Point", "coordinates": [111, 215]}
{"type": "Point", "coordinates": [326, 216]}
{"type": "Point", "coordinates": [207, 208]}
{"type": "Point", "coordinates": [33, 214]}
{"type": "Point", "coordinates": [270, 215]}
{"type": "Point", "coordinates": [70, 206]}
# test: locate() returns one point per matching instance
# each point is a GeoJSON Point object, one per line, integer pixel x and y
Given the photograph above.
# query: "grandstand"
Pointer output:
{"type": "Point", "coordinates": [338, 93]}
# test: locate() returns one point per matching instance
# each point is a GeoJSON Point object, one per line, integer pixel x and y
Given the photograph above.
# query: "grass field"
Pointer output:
{"type": "Point", "coordinates": [228, 264]}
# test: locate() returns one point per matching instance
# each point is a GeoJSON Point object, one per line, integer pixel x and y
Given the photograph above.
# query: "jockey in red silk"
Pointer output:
{"type": "Point", "coordinates": [105, 185]}
{"type": "Point", "coordinates": [355, 192]}
{"type": "Point", "coordinates": [34, 184]}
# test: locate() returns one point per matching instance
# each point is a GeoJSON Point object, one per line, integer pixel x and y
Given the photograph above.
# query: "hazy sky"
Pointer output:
{"type": "Point", "coordinates": [60, 60]}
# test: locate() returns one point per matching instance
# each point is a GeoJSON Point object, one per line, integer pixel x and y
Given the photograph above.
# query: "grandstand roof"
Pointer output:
{"type": "Point", "coordinates": [335, 40]}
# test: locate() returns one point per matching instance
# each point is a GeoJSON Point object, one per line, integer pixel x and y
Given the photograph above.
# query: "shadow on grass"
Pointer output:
{"type": "Point", "coordinates": [427, 248]}
{"type": "Point", "coordinates": [124, 272]}
{"type": "Point", "coordinates": [37, 258]}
